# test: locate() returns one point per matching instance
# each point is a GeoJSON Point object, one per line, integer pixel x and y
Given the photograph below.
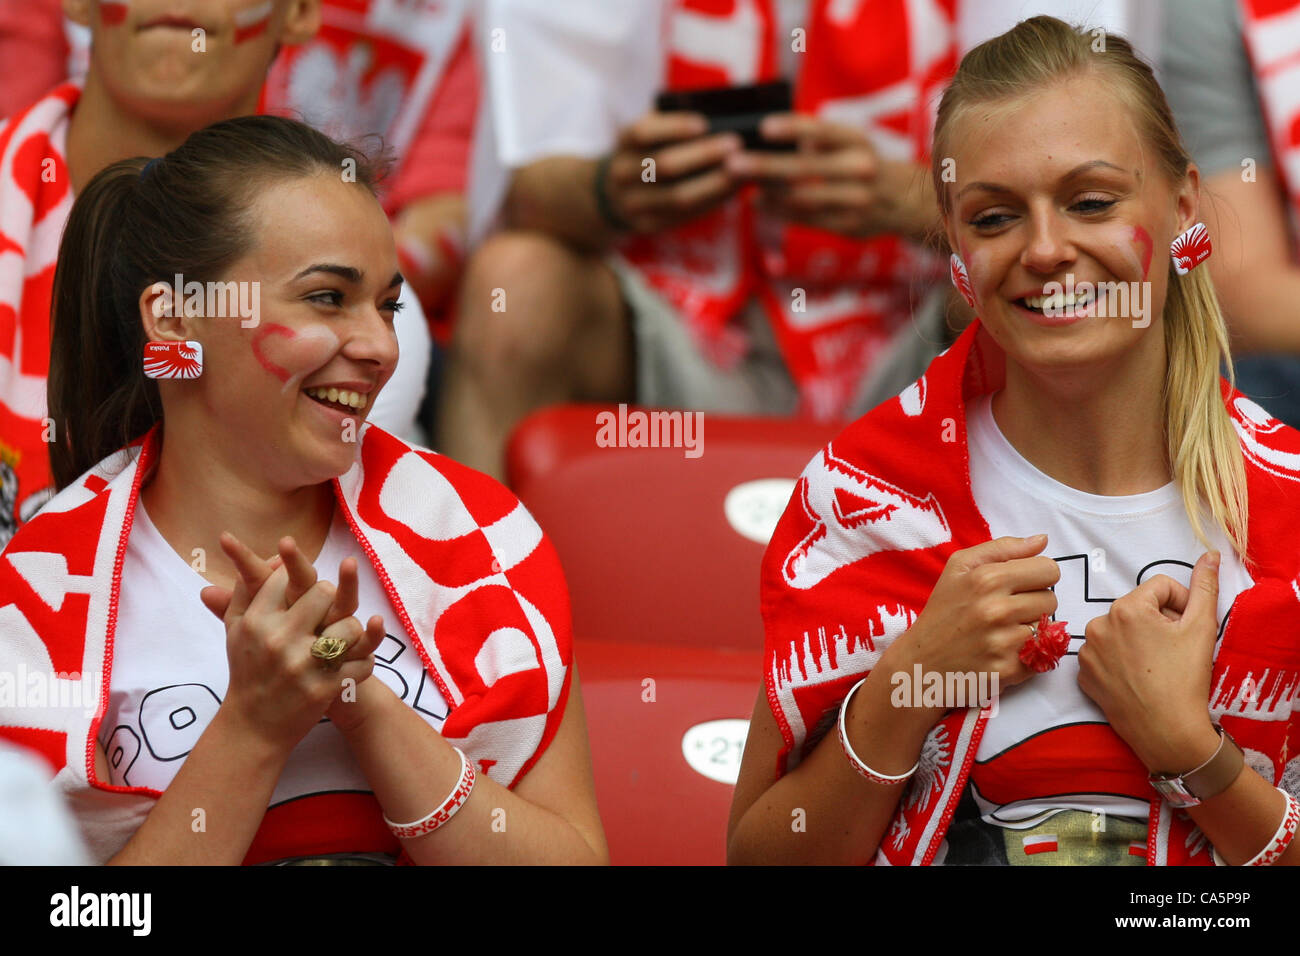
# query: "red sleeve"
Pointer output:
{"type": "Point", "coordinates": [33, 50]}
{"type": "Point", "coordinates": [437, 159]}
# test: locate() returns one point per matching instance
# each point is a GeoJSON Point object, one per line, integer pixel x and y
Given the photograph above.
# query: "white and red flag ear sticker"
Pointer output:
{"type": "Point", "coordinates": [1190, 249]}
{"type": "Point", "coordinates": [173, 359]}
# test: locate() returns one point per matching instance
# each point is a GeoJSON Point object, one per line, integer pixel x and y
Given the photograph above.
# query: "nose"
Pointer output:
{"type": "Point", "coordinates": [1047, 245]}
{"type": "Point", "coordinates": [372, 339]}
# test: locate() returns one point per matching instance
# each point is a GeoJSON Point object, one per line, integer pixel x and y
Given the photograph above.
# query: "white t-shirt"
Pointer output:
{"type": "Point", "coordinates": [170, 671]}
{"type": "Point", "coordinates": [1105, 547]}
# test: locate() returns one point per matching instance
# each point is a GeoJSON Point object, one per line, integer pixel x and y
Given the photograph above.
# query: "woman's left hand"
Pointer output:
{"type": "Point", "coordinates": [1147, 665]}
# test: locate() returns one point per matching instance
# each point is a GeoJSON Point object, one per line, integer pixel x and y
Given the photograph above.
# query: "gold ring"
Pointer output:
{"type": "Point", "coordinates": [328, 650]}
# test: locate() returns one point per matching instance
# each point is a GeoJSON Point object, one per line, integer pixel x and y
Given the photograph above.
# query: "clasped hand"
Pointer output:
{"type": "Point", "coordinates": [273, 615]}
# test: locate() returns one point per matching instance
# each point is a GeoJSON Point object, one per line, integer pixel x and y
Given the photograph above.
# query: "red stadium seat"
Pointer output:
{"type": "Point", "coordinates": [665, 604]}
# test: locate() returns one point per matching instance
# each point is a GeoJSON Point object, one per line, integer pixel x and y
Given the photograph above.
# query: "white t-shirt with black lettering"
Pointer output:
{"type": "Point", "coordinates": [1048, 749]}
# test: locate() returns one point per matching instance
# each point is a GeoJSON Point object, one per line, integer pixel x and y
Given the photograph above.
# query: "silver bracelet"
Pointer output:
{"type": "Point", "coordinates": [855, 760]}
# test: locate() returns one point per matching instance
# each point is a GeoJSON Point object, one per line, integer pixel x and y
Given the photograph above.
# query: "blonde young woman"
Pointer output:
{"type": "Point", "coordinates": [1073, 456]}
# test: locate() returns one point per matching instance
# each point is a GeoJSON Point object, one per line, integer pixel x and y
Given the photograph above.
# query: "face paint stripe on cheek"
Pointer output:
{"type": "Point", "coordinates": [259, 352]}
{"type": "Point", "coordinates": [1143, 239]}
{"type": "Point", "coordinates": [253, 21]}
{"type": "Point", "coordinates": [293, 355]}
{"type": "Point", "coordinates": [112, 13]}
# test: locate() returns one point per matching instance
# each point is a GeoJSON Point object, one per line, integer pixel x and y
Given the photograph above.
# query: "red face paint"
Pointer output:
{"type": "Point", "coordinates": [259, 350]}
{"type": "Point", "coordinates": [293, 355]}
{"type": "Point", "coordinates": [112, 13]}
{"type": "Point", "coordinates": [1143, 239]}
{"type": "Point", "coordinates": [253, 21]}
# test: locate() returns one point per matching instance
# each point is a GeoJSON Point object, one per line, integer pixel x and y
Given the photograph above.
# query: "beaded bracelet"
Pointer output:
{"type": "Point", "coordinates": [1275, 847]}
{"type": "Point", "coordinates": [408, 831]}
{"type": "Point", "coordinates": [855, 760]}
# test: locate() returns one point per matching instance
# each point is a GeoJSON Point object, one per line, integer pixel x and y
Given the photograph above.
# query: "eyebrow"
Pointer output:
{"type": "Point", "coordinates": [1075, 173]}
{"type": "Point", "coordinates": [346, 273]}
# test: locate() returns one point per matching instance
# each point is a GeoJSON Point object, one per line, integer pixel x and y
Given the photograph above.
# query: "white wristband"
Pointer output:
{"type": "Point", "coordinates": [1275, 847]}
{"type": "Point", "coordinates": [408, 831]}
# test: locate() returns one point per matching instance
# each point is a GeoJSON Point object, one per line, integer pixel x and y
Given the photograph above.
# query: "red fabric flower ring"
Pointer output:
{"type": "Point", "coordinates": [1045, 647]}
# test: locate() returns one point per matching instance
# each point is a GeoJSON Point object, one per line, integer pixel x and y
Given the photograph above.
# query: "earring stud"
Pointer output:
{"type": "Point", "coordinates": [1190, 249]}
{"type": "Point", "coordinates": [174, 360]}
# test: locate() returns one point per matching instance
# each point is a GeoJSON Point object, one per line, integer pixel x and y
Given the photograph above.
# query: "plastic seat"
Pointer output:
{"type": "Point", "coordinates": [665, 605]}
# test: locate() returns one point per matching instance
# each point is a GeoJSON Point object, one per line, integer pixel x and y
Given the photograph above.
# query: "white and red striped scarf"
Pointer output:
{"type": "Point", "coordinates": [1272, 33]}
{"type": "Point", "coordinates": [473, 580]}
{"type": "Point", "coordinates": [869, 528]}
{"type": "Point", "coordinates": [35, 198]}
{"type": "Point", "coordinates": [877, 65]}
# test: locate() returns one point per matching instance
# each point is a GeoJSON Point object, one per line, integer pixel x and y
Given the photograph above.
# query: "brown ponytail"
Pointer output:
{"type": "Point", "coordinates": [139, 222]}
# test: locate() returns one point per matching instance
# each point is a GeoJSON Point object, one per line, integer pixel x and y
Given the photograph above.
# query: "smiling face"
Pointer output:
{"type": "Point", "coordinates": [286, 397]}
{"type": "Point", "coordinates": [1060, 188]}
{"type": "Point", "coordinates": [163, 58]}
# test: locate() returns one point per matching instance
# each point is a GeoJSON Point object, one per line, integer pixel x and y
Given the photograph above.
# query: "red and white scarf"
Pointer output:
{"type": "Point", "coordinates": [472, 578]}
{"type": "Point", "coordinates": [878, 65]}
{"type": "Point", "coordinates": [1272, 33]}
{"type": "Point", "coordinates": [869, 528]}
{"type": "Point", "coordinates": [35, 199]}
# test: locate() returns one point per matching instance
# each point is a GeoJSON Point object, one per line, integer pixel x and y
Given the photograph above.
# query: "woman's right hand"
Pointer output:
{"type": "Point", "coordinates": [277, 689]}
{"type": "Point", "coordinates": [975, 620]}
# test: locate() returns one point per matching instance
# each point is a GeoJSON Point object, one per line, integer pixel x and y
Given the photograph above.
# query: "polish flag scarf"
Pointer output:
{"type": "Point", "coordinates": [474, 582]}
{"type": "Point", "coordinates": [373, 67]}
{"type": "Point", "coordinates": [834, 303]}
{"type": "Point", "coordinates": [1272, 34]}
{"type": "Point", "coordinates": [872, 522]}
{"type": "Point", "coordinates": [35, 198]}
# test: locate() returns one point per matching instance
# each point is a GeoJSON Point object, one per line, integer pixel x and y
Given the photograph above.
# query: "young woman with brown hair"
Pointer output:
{"type": "Point", "coordinates": [446, 729]}
{"type": "Point", "coordinates": [1072, 455]}
{"type": "Point", "coordinates": [158, 71]}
